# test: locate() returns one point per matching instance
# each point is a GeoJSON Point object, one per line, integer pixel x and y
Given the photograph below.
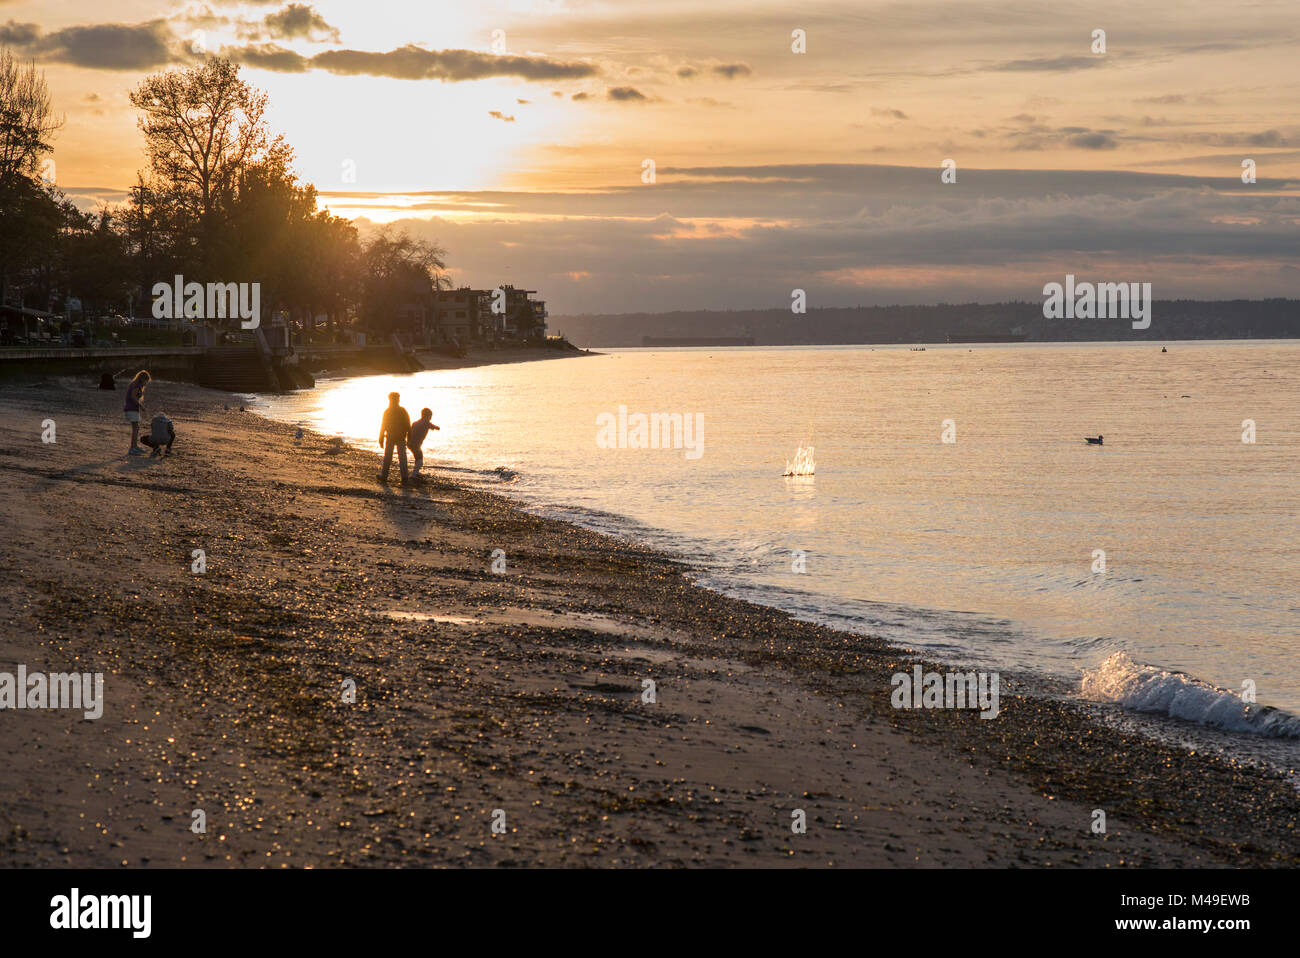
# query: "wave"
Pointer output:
{"type": "Point", "coordinates": [500, 473]}
{"type": "Point", "coordinates": [1146, 688]}
{"type": "Point", "coordinates": [947, 635]}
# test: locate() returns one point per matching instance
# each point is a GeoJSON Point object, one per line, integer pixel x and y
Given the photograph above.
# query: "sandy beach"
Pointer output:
{"type": "Point", "coordinates": [521, 690]}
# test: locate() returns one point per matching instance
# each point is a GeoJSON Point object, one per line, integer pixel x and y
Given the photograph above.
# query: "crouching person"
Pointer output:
{"type": "Point", "coordinates": [162, 433]}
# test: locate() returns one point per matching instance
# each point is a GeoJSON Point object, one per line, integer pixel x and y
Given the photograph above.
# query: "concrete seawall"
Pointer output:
{"type": "Point", "coordinates": [235, 368]}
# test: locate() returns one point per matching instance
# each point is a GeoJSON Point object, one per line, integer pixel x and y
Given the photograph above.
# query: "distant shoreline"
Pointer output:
{"type": "Point", "coordinates": [1149, 344]}
{"type": "Point", "coordinates": [1170, 320]}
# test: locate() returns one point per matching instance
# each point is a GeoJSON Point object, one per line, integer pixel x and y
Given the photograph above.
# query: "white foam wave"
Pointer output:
{"type": "Point", "coordinates": [1145, 688]}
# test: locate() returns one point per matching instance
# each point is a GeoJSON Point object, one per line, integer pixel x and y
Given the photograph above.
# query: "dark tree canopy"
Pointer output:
{"type": "Point", "coordinates": [218, 201]}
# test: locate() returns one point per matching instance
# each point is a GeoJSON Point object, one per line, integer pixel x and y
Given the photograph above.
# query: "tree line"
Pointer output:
{"type": "Point", "coordinates": [216, 201]}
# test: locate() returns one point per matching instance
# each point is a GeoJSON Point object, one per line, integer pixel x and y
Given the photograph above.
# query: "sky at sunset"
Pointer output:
{"type": "Point", "coordinates": [515, 133]}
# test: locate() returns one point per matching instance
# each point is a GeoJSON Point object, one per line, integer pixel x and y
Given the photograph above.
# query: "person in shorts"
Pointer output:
{"type": "Point", "coordinates": [133, 408]}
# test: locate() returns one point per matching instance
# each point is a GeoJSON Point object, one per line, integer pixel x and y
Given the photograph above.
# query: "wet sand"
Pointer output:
{"type": "Point", "coordinates": [475, 691]}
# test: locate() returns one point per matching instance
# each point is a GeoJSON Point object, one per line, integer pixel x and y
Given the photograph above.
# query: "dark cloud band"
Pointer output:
{"type": "Point", "coordinates": [146, 46]}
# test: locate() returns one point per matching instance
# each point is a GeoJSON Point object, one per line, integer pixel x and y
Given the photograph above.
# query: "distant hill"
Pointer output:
{"type": "Point", "coordinates": [1170, 319]}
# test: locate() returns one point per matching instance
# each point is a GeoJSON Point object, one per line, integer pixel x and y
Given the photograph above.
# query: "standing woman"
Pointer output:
{"type": "Point", "coordinates": [134, 407]}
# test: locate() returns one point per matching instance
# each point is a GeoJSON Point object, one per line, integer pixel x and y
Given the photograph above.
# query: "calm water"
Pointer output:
{"type": "Point", "coordinates": [979, 551]}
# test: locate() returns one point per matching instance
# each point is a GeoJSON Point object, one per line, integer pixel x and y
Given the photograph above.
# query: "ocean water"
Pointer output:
{"type": "Point", "coordinates": [983, 551]}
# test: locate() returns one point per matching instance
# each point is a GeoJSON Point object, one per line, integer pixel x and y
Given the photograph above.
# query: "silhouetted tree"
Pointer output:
{"type": "Point", "coordinates": [203, 128]}
{"type": "Point", "coordinates": [28, 210]}
{"type": "Point", "coordinates": [97, 265]}
{"type": "Point", "coordinates": [398, 270]}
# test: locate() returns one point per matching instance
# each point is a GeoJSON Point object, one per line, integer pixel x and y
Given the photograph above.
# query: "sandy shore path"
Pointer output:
{"type": "Point", "coordinates": [482, 694]}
